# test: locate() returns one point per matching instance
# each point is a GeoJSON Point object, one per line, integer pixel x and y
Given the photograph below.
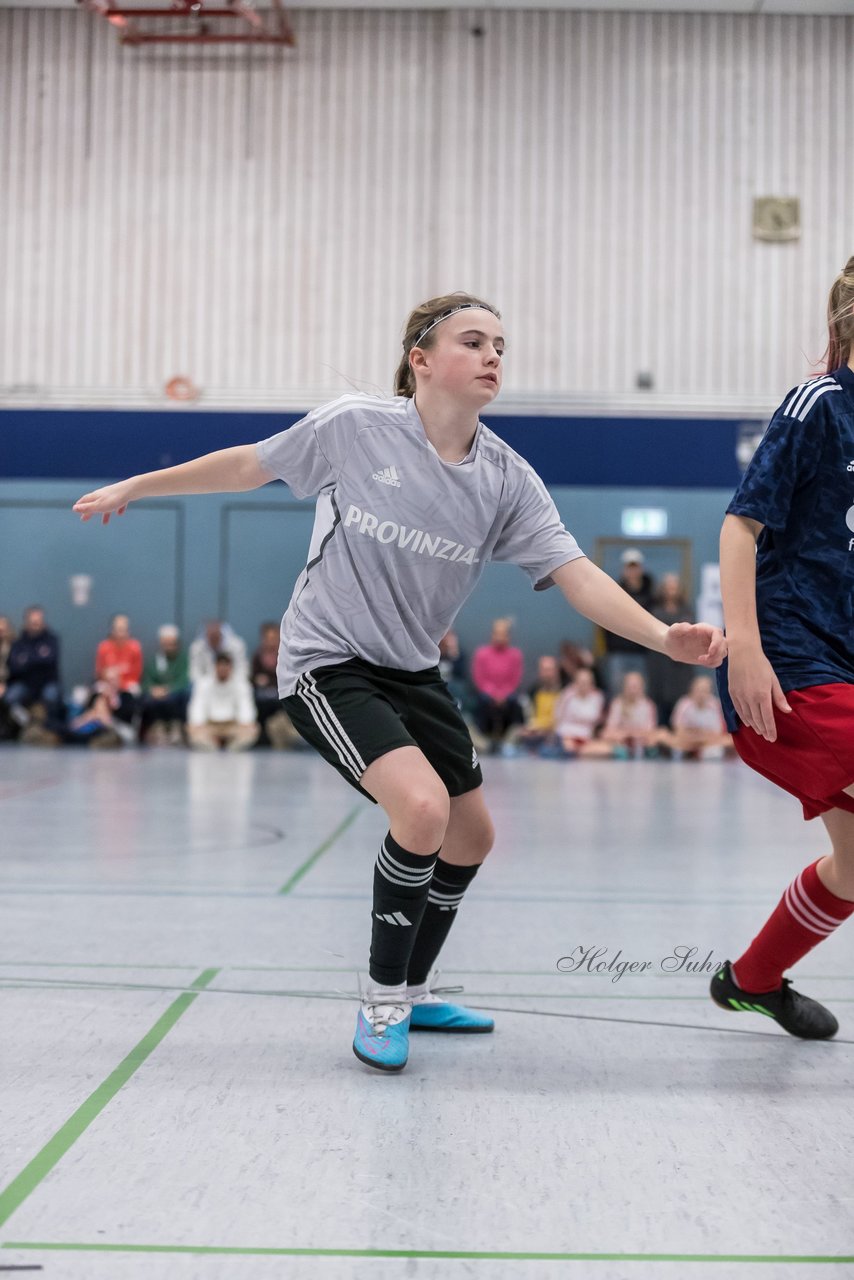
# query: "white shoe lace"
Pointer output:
{"type": "Point", "coordinates": [383, 1016]}
{"type": "Point", "coordinates": [433, 994]}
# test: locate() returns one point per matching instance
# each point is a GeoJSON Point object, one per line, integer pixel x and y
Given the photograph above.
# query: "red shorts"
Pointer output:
{"type": "Point", "coordinates": [813, 757]}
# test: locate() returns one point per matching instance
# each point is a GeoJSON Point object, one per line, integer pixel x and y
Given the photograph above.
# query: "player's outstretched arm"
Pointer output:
{"type": "Point", "coordinates": [225, 471]}
{"type": "Point", "coordinates": [753, 684]}
{"type": "Point", "coordinates": [604, 602]}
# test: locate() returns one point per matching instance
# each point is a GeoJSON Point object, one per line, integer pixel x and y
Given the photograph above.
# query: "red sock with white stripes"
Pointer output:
{"type": "Point", "coordinates": [806, 914]}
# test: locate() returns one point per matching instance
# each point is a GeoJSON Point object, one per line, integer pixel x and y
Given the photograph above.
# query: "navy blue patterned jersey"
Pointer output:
{"type": "Point", "coordinates": [800, 486]}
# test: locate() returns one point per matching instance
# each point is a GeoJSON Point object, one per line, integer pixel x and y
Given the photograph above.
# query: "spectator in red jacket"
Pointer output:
{"type": "Point", "coordinates": [118, 660]}
{"type": "Point", "coordinates": [497, 674]}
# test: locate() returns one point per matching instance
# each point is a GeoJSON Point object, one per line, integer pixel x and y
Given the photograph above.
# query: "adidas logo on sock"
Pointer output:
{"type": "Point", "coordinates": [388, 475]}
{"type": "Point", "coordinates": [397, 918]}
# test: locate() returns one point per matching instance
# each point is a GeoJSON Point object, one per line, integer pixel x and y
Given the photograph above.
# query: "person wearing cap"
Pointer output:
{"type": "Point", "coordinates": [165, 690]}
{"type": "Point", "coordinates": [622, 654]}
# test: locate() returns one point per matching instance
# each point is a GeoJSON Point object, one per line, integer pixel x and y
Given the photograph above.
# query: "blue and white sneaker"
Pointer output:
{"type": "Point", "coordinates": [382, 1034]}
{"type": "Point", "coordinates": [430, 1012]}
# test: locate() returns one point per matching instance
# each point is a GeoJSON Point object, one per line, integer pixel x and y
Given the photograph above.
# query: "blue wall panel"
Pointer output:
{"type": "Point", "coordinates": [137, 567]}
{"type": "Point", "coordinates": [263, 551]}
{"type": "Point", "coordinates": [87, 444]}
{"type": "Point", "coordinates": [187, 559]}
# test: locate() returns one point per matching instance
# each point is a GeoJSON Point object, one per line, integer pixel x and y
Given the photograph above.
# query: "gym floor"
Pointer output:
{"type": "Point", "coordinates": [180, 953]}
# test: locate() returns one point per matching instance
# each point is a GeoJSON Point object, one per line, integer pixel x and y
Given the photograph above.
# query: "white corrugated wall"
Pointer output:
{"type": "Point", "coordinates": [262, 224]}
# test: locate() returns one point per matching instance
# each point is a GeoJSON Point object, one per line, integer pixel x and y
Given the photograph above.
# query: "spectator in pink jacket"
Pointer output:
{"type": "Point", "coordinates": [497, 674]}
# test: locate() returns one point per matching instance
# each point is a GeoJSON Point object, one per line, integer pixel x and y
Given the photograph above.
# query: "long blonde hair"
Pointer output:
{"type": "Point", "coordinates": [423, 318]}
{"type": "Point", "coordinates": [840, 318]}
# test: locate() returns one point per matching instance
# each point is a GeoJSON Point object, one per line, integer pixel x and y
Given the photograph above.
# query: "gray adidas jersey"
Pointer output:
{"type": "Point", "coordinates": [400, 537]}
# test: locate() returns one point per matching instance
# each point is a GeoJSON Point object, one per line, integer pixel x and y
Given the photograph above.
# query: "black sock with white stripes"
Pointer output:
{"type": "Point", "coordinates": [447, 887]}
{"type": "Point", "coordinates": [401, 884]}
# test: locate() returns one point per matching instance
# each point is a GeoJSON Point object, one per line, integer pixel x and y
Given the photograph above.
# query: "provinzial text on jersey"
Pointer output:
{"type": "Point", "coordinates": [425, 544]}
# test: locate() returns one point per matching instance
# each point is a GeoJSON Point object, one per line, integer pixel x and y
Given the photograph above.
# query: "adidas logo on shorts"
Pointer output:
{"type": "Point", "coordinates": [388, 475]}
{"type": "Point", "coordinates": [474, 760]}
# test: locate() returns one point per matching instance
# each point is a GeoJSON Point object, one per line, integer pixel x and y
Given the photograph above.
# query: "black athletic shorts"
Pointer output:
{"type": "Point", "coordinates": [354, 712]}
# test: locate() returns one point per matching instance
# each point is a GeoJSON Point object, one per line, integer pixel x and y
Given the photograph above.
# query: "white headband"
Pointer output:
{"type": "Point", "coordinates": [464, 306]}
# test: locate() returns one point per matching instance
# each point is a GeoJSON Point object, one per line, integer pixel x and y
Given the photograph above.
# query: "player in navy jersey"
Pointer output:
{"type": "Point", "coordinates": [787, 575]}
{"type": "Point", "coordinates": [414, 496]}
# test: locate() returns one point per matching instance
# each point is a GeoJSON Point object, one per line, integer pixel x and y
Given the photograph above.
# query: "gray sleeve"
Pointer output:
{"type": "Point", "coordinates": [533, 535]}
{"type": "Point", "coordinates": [309, 455]}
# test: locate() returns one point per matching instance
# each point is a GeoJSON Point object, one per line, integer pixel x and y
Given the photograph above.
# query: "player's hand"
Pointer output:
{"type": "Point", "coordinates": [112, 499]}
{"type": "Point", "coordinates": [755, 692]}
{"type": "Point", "coordinates": [695, 643]}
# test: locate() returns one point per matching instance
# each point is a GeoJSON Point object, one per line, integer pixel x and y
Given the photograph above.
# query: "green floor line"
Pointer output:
{"type": "Point", "coordinates": [321, 849]}
{"type": "Point", "coordinates": [40, 1166]}
{"type": "Point", "coordinates": [449, 1254]}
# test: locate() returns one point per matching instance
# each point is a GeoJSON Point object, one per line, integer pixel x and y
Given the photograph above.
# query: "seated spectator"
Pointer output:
{"type": "Point", "coordinates": [222, 710]}
{"type": "Point", "coordinates": [578, 713]}
{"type": "Point", "coordinates": [8, 728]}
{"type": "Point", "coordinates": [698, 731]}
{"type": "Point", "coordinates": [453, 669]}
{"type": "Point", "coordinates": [263, 671]}
{"type": "Point", "coordinates": [216, 638]}
{"type": "Point", "coordinates": [118, 661]}
{"type": "Point", "coordinates": [274, 722]}
{"type": "Point", "coordinates": [496, 675]}
{"type": "Point", "coordinates": [94, 716]}
{"type": "Point", "coordinates": [573, 658]}
{"type": "Point", "coordinates": [543, 697]}
{"type": "Point", "coordinates": [34, 672]}
{"type": "Point", "coordinates": [631, 728]}
{"type": "Point", "coordinates": [165, 691]}
{"type": "Point", "coordinates": [622, 655]}
{"type": "Point", "coordinates": [668, 681]}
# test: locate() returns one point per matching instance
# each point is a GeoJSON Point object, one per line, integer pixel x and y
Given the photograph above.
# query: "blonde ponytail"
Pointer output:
{"type": "Point", "coordinates": [840, 318]}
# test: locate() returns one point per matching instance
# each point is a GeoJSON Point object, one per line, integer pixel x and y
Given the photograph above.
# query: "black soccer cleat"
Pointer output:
{"type": "Point", "coordinates": [797, 1014]}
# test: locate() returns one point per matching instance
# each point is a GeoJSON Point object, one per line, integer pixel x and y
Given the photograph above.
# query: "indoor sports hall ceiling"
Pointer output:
{"type": "Point", "coordinates": [795, 7]}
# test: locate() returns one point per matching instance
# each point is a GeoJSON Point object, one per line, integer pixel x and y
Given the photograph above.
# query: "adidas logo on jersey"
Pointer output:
{"type": "Point", "coordinates": [850, 466]}
{"type": "Point", "coordinates": [388, 475]}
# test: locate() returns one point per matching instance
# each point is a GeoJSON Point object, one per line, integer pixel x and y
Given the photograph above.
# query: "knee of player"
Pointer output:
{"type": "Point", "coordinates": [428, 808]}
{"type": "Point", "coordinates": [483, 838]}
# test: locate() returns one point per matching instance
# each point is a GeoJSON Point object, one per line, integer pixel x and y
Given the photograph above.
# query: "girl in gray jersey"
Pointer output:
{"type": "Point", "coordinates": [414, 496]}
